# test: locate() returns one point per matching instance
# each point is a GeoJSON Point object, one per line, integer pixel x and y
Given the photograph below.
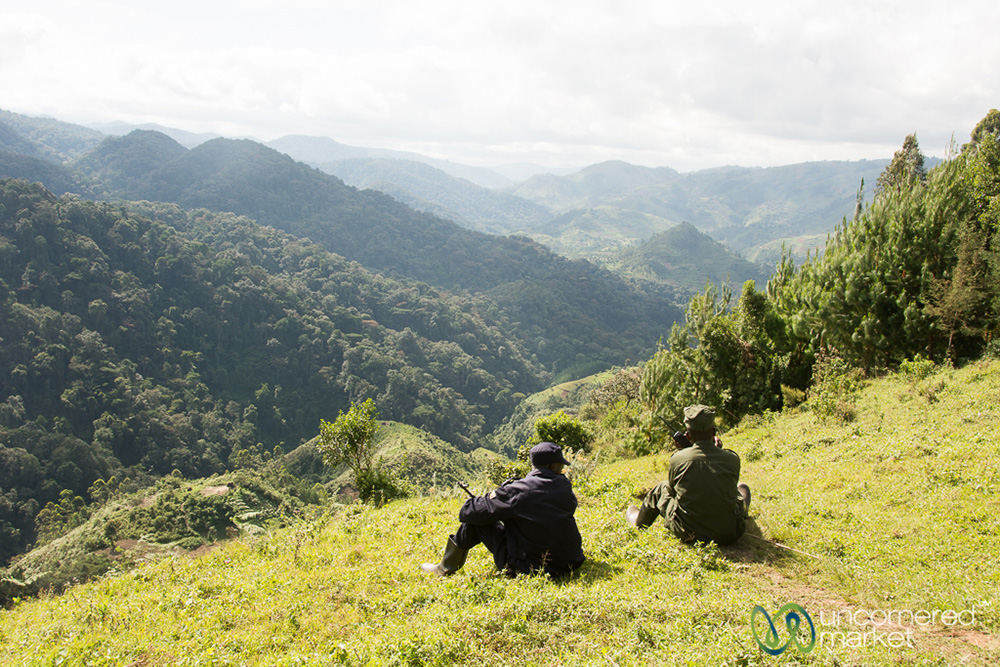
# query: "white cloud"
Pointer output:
{"type": "Point", "coordinates": [680, 84]}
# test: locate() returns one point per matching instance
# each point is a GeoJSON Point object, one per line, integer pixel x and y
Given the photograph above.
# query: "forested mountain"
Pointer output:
{"type": "Point", "coordinates": [686, 259]}
{"type": "Point", "coordinates": [142, 343]}
{"type": "Point", "coordinates": [569, 311]}
{"type": "Point", "coordinates": [428, 189]}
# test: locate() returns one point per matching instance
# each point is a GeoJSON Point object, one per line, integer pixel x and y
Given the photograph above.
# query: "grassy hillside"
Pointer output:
{"type": "Point", "coordinates": [567, 396]}
{"type": "Point", "coordinates": [897, 510]}
{"type": "Point", "coordinates": [425, 462]}
{"type": "Point", "coordinates": [175, 516]}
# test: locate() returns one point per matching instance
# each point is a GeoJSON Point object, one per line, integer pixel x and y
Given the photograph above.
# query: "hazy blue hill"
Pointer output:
{"type": "Point", "coordinates": [429, 189]}
{"type": "Point", "coordinates": [56, 140]}
{"type": "Point", "coordinates": [13, 141]}
{"type": "Point", "coordinates": [57, 178]}
{"type": "Point", "coordinates": [595, 185]}
{"type": "Point", "coordinates": [746, 208]}
{"type": "Point", "coordinates": [122, 162]}
{"type": "Point", "coordinates": [184, 138]}
{"type": "Point", "coordinates": [685, 258]}
{"type": "Point", "coordinates": [317, 151]}
{"type": "Point", "coordinates": [247, 178]}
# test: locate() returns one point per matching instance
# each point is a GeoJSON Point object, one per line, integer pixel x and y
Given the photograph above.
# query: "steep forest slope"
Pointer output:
{"type": "Point", "coordinates": [137, 346]}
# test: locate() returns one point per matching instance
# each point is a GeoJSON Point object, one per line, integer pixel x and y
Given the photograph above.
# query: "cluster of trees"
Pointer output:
{"type": "Point", "coordinates": [914, 274]}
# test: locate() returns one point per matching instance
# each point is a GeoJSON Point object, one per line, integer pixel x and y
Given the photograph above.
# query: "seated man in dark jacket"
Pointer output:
{"type": "Point", "coordinates": [702, 498]}
{"type": "Point", "coordinates": [527, 524]}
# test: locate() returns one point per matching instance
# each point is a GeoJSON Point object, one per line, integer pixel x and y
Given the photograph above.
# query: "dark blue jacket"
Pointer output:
{"type": "Point", "coordinates": [537, 513]}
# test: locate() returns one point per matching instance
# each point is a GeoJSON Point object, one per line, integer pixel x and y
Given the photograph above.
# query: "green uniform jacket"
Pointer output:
{"type": "Point", "coordinates": [701, 501]}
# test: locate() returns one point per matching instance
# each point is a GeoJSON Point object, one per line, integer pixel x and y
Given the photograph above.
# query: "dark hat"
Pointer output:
{"type": "Point", "coordinates": [699, 417]}
{"type": "Point", "coordinates": [547, 453]}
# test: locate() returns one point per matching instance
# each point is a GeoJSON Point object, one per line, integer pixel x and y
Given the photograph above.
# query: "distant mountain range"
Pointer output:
{"type": "Point", "coordinates": [591, 213]}
{"type": "Point", "coordinates": [744, 208]}
{"type": "Point", "coordinates": [752, 211]}
{"type": "Point", "coordinates": [568, 312]}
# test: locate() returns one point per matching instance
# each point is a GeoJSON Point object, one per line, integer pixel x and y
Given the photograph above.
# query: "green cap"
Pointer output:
{"type": "Point", "coordinates": [699, 418]}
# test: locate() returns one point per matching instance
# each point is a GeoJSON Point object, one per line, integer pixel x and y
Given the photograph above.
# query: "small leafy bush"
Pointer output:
{"type": "Point", "coordinates": [917, 369]}
{"type": "Point", "coordinates": [835, 387]}
{"type": "Point", "coordinates": [380, 484]}
{"type": "Point", "coordinates": [564, 430]}
{"type": "Point", "coordinates": [500, 471]}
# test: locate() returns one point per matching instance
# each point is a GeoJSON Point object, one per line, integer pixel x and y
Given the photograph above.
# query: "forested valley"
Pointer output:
{"type": "Point", "coordinates": [144, 338]}
{"type": "Point", "coordinates": [157, 328]}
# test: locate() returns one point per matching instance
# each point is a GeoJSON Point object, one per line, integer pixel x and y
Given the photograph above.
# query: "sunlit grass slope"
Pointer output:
{"type": "Point", "coordinates": [896, 510]}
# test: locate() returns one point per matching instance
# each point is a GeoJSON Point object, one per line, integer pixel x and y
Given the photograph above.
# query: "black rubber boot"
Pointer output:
{"type": "Point", "coordinates": [745, 492]}
{"type": "Point", "coordinates": [451, 562]}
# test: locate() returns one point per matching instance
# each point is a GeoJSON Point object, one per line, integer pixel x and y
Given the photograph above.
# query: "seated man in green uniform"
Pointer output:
{"type": "Point", "coordinates": [702, 498]}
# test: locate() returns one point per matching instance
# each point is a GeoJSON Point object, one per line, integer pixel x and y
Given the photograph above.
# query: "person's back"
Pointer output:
{"type": "Point", "coordinates": [702, 497]}
{"type": "Point", "coordinates": [704, 481]}
{"type": "Point", "coordinates": [527, 524]}
{"type": "Point", "coordinates": [537, 512]}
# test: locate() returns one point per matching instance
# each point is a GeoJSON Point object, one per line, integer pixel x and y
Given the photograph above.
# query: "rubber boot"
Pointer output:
{"type": "Point", "coordinates": [632, 515]}
{"type": "Point", "coordinates": [451, 562]}
{"type": "Point", "coordinates": [640, 517]}
{"type": "Point", "coordinates": [745, 492]}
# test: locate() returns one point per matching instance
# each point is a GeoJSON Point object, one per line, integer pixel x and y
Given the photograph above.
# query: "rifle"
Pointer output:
{"type": "Point", "coordinates": [465, 487]}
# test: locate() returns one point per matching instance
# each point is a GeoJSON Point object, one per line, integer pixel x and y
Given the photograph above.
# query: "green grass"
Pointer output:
{"type": "Point", "coordinates": [898, 510]}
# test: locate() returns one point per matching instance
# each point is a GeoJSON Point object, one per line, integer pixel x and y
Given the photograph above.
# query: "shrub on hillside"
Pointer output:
{"type": "Point", "coordinates": [350, 440]}
{"type": "Point", "coordinates": [835, 387]}
{"type": "Point", "coordinates": [564, 430]}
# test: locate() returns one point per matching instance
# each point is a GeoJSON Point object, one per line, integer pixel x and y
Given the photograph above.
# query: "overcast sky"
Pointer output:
{"type": "Point", "coordinates": [682, 84]}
